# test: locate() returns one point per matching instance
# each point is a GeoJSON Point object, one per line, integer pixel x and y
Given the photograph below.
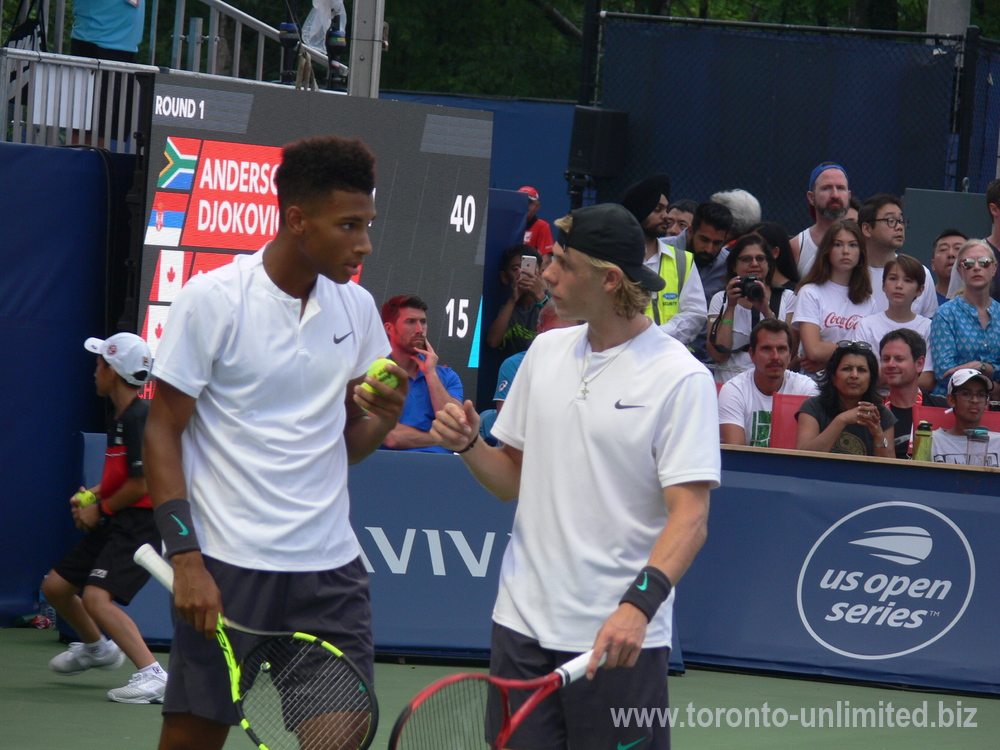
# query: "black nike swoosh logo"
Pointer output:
{"type": "Point", "coordinates": [620, 405]}
{"type": "Point", "coordinates": [338, 339]}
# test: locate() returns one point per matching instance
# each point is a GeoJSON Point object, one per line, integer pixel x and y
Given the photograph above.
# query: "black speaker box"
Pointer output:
{"type": "Point", "coordinates": [597, 146]}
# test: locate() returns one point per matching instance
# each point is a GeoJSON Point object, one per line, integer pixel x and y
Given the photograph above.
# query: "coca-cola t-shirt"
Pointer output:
{"type": "Point", "coordinates": [828, 306]}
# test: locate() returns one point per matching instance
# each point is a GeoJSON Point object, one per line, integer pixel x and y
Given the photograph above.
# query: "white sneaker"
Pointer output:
{"type": "Point", "coordinates": [142, 688]}
{"type": "Point", "coordinates": [79, 659]}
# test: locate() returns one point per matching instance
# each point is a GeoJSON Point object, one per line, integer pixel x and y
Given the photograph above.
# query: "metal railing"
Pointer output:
{"type": "Point", "coordinates": [220, 51]}
{"type": "Point", "coordinates": [54, 100]}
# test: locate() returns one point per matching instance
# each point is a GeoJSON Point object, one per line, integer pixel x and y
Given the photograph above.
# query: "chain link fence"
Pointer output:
{"type": "Point", "coordinates": [984, 142]}
{"type": "Point", "coordinates": [719, 106]}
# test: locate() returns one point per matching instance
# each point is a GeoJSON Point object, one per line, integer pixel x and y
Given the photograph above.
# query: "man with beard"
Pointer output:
{"type": "Point", "coordinates": [680, 308]}
{"type": "Point", "coordinates": [882, 223]}
{"type": "Point", "coordinates": [829, 198]}
{"type": "Point", "coordinates": [745, 402]}
{"type": "Point", "coordinates": [431, 385]}
{"type": "Point", "coordinates": [706, 239]}
{"type": "Point", "coordinates": [903, 352]}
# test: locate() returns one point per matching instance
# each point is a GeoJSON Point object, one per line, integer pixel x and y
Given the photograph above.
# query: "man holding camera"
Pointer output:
{"type": "Point", "coordinates": [747, 299]}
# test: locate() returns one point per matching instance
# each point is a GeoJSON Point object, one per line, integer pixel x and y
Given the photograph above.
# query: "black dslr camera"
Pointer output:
{"type": "Point", "coordinates": [750, 289]}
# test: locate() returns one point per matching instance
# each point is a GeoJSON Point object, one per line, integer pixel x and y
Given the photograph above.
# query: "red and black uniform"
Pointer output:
{"type": "Point", "coordinates": [103, 558]}
{"type": "Point", "coordinates": [538, 234]}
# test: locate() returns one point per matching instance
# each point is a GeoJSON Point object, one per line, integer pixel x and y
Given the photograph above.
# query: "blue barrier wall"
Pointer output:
{"type": "Point", "coordinates": [866, 570]}
{"type": "Point", "coordinates": [869, 570]}
{"type": "Point", "coordinates": [53, 218]}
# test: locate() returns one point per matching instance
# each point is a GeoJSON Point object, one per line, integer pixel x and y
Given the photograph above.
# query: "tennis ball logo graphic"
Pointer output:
{"type": "Point", "coordinates": [378, 370]}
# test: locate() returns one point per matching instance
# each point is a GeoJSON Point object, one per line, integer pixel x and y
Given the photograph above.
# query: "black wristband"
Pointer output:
{"type": "Point", "coordinates": [173, 519]}
{"type": "Point", "coordinates": [470, 446]}
{"type": "Point", "coordinates": [648, 591]}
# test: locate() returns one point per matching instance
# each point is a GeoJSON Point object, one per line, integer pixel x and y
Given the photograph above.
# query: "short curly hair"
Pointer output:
{"type": "Point", "coordinates": [313, 167]}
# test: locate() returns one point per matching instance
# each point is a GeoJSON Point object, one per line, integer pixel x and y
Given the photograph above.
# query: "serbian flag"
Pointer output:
{"type": "Point", "coordinates": [166, 219]}
{"type": "Point", "coordinates": [182, 158]}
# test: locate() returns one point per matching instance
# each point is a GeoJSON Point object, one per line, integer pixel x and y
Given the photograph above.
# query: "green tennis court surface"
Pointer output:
{"type": "Point", "coordinates": [39, 709]}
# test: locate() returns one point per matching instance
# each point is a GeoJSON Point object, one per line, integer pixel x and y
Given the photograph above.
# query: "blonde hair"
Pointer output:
{"type": "Point", "coordinates": [630, 298]}
{"type": "Point", "coordinates": [968, 244]}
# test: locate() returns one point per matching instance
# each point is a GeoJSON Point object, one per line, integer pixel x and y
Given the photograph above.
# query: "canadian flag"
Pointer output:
{"type": "Point", "coordinates": [170, 275]}
{"type": "Point", "coordinates": [153, 326]}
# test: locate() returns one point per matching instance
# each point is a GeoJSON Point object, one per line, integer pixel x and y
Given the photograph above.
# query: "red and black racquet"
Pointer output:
{"type": "Point", "coordinates": [472, 711]}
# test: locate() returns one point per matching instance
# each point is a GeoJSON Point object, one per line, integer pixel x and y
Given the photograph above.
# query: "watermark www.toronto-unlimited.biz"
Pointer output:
{"type": "Point", "coordinates": [946, 715]}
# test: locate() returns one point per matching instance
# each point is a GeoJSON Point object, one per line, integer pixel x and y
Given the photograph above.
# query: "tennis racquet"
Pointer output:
{"type": "Point", "coordinates": [472, 711]}
{"type": "Point", "coordinates": [292, 690]}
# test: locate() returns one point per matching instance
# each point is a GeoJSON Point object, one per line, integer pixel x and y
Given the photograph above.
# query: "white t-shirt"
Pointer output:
{"type": "Point", "coordinates": [926, 304]}
{"type": "Point", "coordinates": [591, 501]}
{"type": "Point", "coordinates": [742, 403]}
{"type": "Point", "coordinates": [264, 453]}
{"type": "Point", "coordinates": [952, 449]}
{"type": "Point", "coordinates": [828, 306]}
{"type": "Point", "coordinates": [742, 325]}
{"type": "Point", "coordinates": [874, 327]}
{"type": "Point", "coordinates": [807, 253]}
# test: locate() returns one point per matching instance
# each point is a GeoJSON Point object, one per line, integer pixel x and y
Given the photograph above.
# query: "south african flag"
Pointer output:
{"type": "Point", "coordinates": [182, 158]}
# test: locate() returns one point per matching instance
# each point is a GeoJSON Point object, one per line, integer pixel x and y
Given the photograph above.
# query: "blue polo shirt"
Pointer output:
{"type": "Point", "coordinates": [418, 411]}
{"type": "Point", "coordinates": [112, 24]}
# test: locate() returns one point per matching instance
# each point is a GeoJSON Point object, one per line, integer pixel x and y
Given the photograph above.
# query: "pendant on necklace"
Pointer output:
{"type": "Point", "coordinates": [584, 392]}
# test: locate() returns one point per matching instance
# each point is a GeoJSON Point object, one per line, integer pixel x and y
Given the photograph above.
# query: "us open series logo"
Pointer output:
{"type": "Point", "coordinates": [886, 580]}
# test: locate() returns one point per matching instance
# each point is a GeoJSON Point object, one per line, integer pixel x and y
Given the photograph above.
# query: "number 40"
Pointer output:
{"type": "Point", "coordinates": [464, 216]}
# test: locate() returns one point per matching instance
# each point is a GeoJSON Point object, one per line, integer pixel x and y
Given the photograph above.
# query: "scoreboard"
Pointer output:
{"type": "Point", "coordinates": [214, 144]}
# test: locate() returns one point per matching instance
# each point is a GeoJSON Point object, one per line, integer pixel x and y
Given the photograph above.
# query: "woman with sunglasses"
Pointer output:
{"type": "Point", "coordinates": [834, 296]}
{"type": "Point", "coordinates": [847, 416]}
{"type": "Point", "coordinates": [965, 331]}
{"type": "Point", "coordinates": [732, 314]}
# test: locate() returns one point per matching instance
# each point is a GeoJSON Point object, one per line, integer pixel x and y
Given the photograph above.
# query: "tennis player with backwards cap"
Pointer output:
{"type": "Point", "coordinates": [257, 413]}
{"type": "Point", "coordinates": [610, 444]}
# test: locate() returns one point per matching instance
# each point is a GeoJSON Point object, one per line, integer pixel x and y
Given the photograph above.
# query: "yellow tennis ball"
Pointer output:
{"type": "Point", "coordinates": [378, 370]}
{"type": "Point", "coordinates": [86, 497]}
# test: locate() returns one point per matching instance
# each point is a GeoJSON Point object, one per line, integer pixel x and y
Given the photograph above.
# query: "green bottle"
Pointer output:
{"type": "Point", "coordinates": [922, 442]}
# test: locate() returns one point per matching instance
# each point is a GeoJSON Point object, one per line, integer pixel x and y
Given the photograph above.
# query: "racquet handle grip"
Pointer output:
{"type": "Point", "coordinates": [160, 569]}
{"type": "Point", "coordinates": [576, 667]}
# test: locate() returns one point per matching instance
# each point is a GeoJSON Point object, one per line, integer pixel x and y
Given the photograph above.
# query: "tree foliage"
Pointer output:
{"type": "Point", "coordinates": [528, 48]}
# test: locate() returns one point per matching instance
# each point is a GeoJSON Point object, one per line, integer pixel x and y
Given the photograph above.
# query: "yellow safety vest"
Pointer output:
{"type": "Point", "coordinates": [666, 303]}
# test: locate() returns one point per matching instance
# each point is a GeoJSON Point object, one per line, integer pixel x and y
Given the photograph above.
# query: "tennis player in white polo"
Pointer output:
{"type": "Point", "coordinates": [610, 443]}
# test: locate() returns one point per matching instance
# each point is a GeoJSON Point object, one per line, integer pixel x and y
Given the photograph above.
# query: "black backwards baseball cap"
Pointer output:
{"type": "Point", "coordinates": [609, 231]}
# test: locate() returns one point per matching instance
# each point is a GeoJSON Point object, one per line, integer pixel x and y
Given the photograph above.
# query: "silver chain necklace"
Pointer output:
{"type": "Point", "coordinates": [586, 361]}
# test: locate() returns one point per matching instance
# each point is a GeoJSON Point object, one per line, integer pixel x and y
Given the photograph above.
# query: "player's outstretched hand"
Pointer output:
{"type": "Point", "coordinates": [385, 403]}
{"type": "Point", "coordinates": [621, 637]}
{"type": "Point", "coordinates": [455, 426]}
{"type": "Point", "coordinates": [196, 596]}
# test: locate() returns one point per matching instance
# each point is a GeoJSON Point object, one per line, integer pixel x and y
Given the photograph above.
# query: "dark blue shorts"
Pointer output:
{"type": "Point", "coordinates": [330, 604]}
{"type": "Point", "coordinates": [583, 715]}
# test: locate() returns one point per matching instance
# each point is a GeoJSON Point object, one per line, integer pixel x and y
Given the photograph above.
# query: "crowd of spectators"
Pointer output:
{"type": "Point", "coordinates": [836, 314]}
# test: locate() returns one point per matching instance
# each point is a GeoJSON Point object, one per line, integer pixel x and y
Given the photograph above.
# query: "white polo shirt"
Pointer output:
{"type": "Point", "coordinates": [591, 501]}
{"type": "Point", "coordinates": [264, 453]}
